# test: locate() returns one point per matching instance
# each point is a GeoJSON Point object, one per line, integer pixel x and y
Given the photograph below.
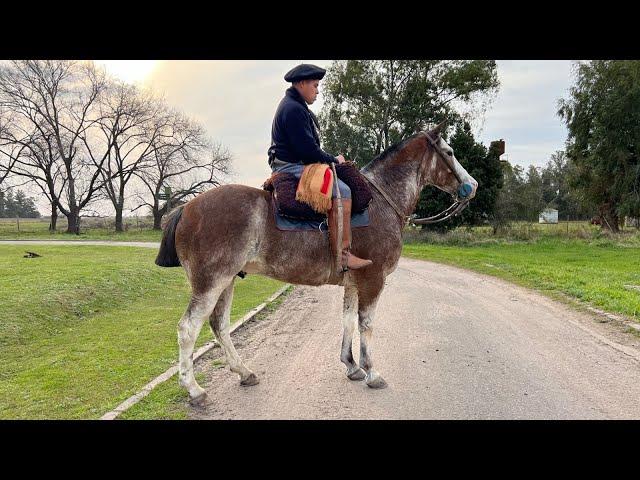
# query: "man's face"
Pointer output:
{"type": "Point", "coordinates": [309, 90]}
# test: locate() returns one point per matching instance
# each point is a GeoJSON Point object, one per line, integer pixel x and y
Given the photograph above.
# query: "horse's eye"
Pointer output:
{"type": "Point", "coordinates": [450, 153]}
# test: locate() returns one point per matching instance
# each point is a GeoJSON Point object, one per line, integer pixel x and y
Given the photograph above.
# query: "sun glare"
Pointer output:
{"type": "Point", "coordinates": [131, 71]}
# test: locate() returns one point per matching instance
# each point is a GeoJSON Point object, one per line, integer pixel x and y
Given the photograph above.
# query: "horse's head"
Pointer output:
{"type": "Point", "coordinates": [440, 168]}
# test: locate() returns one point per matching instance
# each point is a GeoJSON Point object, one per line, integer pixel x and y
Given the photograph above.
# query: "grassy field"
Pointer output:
{"type": "Point", "coordinates": [602, 270]}
{"type": "Point", "coordinates": [82, 328]}
{"type": "Point", "coordinates": [90, 229]}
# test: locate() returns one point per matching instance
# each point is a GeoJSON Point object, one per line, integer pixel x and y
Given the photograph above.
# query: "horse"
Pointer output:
{"type": "Point", "coordinates": [231, 229]}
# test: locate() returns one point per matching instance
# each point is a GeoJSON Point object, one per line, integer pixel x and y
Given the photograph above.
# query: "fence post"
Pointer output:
{"type": "Point", "coordinates": [18, 222]}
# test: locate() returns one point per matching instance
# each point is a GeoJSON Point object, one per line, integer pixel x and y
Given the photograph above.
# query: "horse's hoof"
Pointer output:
{"type": "Point", "coordinates": [377, 383]}
{"type": "Point", "coordinates": [199, 401]}
{"type": "Point", "coordinates": [357, 375]}
{"type": "Point", "coordinates": [250, 381]}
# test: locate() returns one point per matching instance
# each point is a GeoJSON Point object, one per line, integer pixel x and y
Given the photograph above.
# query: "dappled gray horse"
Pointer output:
{"type": "Point", "coordinates": [232, 228]}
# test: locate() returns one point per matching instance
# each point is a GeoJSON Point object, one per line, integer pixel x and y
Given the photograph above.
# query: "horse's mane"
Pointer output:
{"type": "Point", "coordinates": [390, 151]}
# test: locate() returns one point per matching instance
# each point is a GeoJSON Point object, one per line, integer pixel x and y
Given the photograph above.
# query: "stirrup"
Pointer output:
{"type": "Point", "coordinates": [344, 256]}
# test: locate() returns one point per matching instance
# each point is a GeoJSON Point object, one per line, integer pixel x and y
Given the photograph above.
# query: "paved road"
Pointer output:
{"type": "Point", "coordinates": [451, 344]}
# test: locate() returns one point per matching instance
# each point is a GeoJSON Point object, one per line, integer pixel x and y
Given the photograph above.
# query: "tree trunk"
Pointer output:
{"type": "Point", "coordinates": [73, 219]}
{"type": "Point", "coordinates": [119, 206]}
{"type": "Point", "coordinates": [119, 219]}
{"type": "Point", "coordinates": [610, 218]}
{"type": "Point", "coordinates": [54, 218]}
{"type": "Point", "coordinates": [73, 222]}
{"type": "Point", "coordinates": [157, 219]}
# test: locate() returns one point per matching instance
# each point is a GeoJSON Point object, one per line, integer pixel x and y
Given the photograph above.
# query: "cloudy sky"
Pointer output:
{"type": "Point", "coordinates": [236, 101]}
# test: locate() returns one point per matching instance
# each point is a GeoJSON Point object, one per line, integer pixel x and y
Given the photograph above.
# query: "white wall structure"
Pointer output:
{"type": "Point", "coordinates": [548, 215]}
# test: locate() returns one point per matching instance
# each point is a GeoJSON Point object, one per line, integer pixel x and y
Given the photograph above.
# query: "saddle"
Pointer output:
{"type": "Point", "coordinates": [284, 186]}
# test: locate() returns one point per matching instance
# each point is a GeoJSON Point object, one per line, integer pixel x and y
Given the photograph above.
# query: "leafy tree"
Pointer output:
{"type": "Point", "coordinates": [25, 206]}
{"type": "Point", "coordinates": [18, 205]}
{"type": "Point", "coordinates": [510, 204]}
{"type": "Point", "coordinates": [602, 114]}
{"type": "Point", "coordinates": [532, 194]}
{"type": "Point", "coordinates": [556, 191]}
{"type": "Point", "coordinates": [373, 104]}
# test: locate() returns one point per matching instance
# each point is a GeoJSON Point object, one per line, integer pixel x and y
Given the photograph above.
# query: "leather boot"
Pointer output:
{"type": "Point", "coordinates": [349, 260]}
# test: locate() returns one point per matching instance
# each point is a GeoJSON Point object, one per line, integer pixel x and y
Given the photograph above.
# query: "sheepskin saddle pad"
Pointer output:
{"type": "Point", "coordinates": [285, 186]}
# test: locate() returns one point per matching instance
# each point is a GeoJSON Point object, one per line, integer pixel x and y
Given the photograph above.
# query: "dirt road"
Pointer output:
{"type": "Point", "coordinates": [451, 344]}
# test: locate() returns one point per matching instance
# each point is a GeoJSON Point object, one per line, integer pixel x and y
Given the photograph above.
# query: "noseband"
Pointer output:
{"type": "Point", "coordinates": [453, 210]}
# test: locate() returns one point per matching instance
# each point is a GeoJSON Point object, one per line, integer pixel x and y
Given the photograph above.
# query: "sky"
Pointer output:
{"type": "Point", "coordinates": [236, 101]}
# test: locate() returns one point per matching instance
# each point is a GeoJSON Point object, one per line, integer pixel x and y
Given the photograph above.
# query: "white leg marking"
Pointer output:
{"type": "Point", "coordinates": [200, 307]}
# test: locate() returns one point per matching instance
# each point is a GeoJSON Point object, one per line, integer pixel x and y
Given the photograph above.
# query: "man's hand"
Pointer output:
{"type": "Point", "coordinates": [340, 159]}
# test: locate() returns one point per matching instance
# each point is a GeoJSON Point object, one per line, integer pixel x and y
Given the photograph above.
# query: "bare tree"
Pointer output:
{"type": "Point", "coordinates": [131, 122]}
{"type": "Point", "coordinates": [9, 151]}
{"type": "Point", "coordinates": [9, 155]}
{"type": "Point", "coordinates": [41, 166]}
{"type": "Point", "coordinates": [32, 157]}
{"type": "Point", "coordinates": [183, 159]}
{"type": "Point", "coordinates": [57, 104]}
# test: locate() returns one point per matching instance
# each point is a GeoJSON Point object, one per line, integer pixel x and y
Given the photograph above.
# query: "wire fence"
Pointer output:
{"type": "Point", "coordinates": [37, 225]}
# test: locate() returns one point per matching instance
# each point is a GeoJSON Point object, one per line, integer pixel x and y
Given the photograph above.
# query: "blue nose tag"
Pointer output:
{"type": "Point", "coordinates": [465, 190]}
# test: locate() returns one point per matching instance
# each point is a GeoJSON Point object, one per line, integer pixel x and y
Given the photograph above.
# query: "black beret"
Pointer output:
{"type": "Point", "coordinates": [305, 71]}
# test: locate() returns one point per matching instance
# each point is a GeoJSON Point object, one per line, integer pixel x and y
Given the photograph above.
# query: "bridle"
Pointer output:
{"type": "Point", "coordinates": [458, 206]}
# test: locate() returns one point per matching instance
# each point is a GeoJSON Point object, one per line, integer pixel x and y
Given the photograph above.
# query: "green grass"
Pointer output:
{"type": "Point", "coordinates": [90, 229]}
{"type": "Point", "coordinates": [84, 327]}
{"type": "Point", "coordinates": [593, 271]}
{"type": "Point", "coordinates": [169, 401]}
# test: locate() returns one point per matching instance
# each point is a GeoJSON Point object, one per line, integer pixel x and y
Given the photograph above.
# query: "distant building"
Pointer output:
{"type": "Point", "coordinates": [548, 215]}
{"type": "Point", "coordinates": [499, 146]}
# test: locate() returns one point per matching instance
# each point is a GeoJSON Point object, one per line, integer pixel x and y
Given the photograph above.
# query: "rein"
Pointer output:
{"type": "Point", "coordinates": [453, 210]}
{"type": "Point", "coordinates": [405, 218]}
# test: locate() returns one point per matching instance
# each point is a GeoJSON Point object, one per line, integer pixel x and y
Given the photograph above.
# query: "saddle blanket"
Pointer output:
{"type": "Point", "coordinates": [284, 223]}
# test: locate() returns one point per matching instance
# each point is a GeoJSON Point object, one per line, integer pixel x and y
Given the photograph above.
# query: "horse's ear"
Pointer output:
{"type": "Point", "coordinates": [440, 127]}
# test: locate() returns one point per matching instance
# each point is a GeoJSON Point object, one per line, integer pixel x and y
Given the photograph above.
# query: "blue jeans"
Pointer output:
{"type": "Point", "coordinates": [296, 169]}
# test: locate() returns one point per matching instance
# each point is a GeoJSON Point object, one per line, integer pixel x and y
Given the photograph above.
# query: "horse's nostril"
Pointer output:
{"type": "Point", "coordinates": [465, 190]}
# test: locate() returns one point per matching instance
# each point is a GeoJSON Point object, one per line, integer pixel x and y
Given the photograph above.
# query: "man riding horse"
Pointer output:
{"type": "Point", "coordinates": [232, 228]}
{"type": "Point", "coordinates": [295, 142]}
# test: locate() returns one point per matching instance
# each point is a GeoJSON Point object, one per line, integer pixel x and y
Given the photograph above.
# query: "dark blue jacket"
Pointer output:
{"type": "Point", "coordinates": [294, 134]}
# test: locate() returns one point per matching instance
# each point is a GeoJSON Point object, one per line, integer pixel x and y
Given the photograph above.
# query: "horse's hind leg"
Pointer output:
{"type": "Point", "coordinates": [349, 321]}
{"type": "Point", "coordinates": [200, 307]}
{"type": "Point", "coordinates": [220, 321]}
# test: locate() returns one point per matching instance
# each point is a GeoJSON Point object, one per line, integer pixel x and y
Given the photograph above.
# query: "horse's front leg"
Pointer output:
{"type": "Point", "coordinates": [369, 291]}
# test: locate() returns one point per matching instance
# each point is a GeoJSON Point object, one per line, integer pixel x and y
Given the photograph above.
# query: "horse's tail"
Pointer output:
{"type": "Point", "coordinates": [167, 256]}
